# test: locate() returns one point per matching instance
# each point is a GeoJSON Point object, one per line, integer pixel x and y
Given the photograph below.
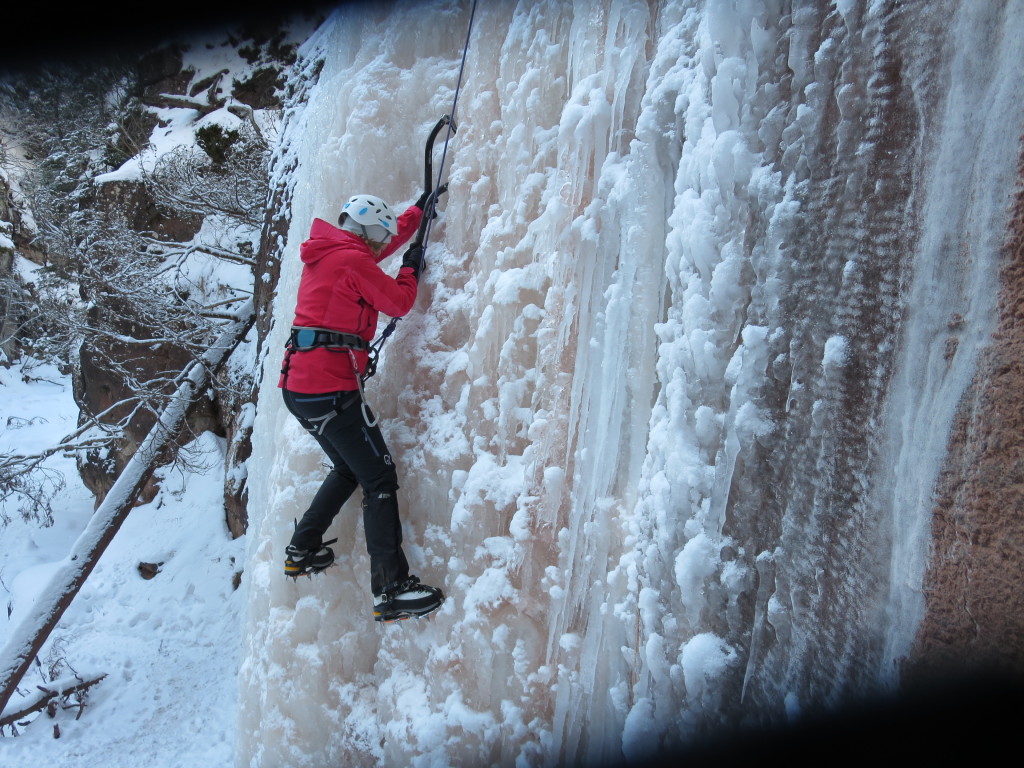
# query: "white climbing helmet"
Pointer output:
{"type": "Point", "coordinates": [369, 217]}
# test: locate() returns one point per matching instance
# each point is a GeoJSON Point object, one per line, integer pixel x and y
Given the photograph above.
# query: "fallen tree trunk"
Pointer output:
{"type": "Point", "coordinates": [28, 637]}
{"type": "Point", "coordinates": [49, 692]}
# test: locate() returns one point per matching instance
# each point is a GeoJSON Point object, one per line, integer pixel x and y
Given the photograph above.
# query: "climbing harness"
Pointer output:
{"type": "Point", "coordinates": [423, 234]}
{"type": "Point", "coordinates": [303, 339]}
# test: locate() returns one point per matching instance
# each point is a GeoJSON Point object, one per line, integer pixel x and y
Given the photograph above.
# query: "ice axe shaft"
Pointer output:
{"type": "Point", "coordinates": [428, 161]}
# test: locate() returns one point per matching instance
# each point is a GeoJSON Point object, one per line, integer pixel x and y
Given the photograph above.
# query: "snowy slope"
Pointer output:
{"type": "Point", "coordinates": [167, 645]}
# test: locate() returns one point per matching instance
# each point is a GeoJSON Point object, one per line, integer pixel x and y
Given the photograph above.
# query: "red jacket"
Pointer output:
{"type": "Point", "coordinates": [343, 289]}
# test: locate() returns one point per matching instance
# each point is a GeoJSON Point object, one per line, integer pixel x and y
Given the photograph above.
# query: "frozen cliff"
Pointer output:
{"type": "Point", "coordinates": [708, 288]}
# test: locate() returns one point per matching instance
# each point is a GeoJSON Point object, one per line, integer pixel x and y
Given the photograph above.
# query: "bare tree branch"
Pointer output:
{"type": "Point", "coordinates": [61, 689]}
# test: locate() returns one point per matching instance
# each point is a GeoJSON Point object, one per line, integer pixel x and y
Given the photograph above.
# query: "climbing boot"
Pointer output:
{"type": "Point", "coordinates": [406, 599]}
{"type": "Point", "coordinates": [300, 562]}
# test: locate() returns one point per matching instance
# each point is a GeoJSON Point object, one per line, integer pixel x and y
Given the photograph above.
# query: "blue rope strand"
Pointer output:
{"type": "Point", "coordinates": [376, 346]}
{"type": "Point", "coordinates": [448, 134]}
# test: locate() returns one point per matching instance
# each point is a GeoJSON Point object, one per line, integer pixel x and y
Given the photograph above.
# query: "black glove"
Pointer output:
{"type": "Point", "coordinates": [414, 258]}
{"type": "Point", "coordinates": [421, 203]}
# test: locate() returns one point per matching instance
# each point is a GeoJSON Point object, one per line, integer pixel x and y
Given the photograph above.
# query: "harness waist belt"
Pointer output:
{"type": "Point", "coordinates": [309, 338]}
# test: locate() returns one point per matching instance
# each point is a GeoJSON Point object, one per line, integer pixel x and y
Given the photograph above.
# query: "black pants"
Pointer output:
{"type": "Point", "coordinates": [360, 458]}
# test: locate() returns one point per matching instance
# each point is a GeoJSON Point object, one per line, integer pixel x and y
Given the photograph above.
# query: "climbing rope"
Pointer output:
{"type": "Point", "coordinates": [428, 214]}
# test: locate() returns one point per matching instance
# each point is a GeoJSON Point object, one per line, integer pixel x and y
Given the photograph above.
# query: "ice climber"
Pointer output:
{"type": "Point", "coordinates": [341, 293]}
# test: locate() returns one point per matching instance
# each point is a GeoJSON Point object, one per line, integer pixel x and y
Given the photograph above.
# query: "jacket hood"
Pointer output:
{"type": "Point", "coordinates": [325, 238]}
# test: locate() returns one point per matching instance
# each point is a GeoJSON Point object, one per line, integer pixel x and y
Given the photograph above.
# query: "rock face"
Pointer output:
{"type": "Point", "coordinates": [7, 323]}
{"type": "Point", "coordinates": [975, 599]}
{"type": "Point", "coordinates": [12, 294]}
{"type": "Point", "coordinates": [97, 388]}
{"type": "Point", "coordinates": [134, 200]}
{"type": "Point", "coordinates": [165, 80]}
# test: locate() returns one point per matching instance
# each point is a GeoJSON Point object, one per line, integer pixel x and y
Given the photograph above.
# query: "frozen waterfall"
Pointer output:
{"type": "Point", "coordinates": [708, 284]}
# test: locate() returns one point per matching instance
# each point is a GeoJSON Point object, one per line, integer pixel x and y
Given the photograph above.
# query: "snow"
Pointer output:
{"type": "Point", "coordinates": [166, 644]}
{"type": "Point", "coordinates": [579, 405]}
{"type": "Point", "coordinates": [837, 350]}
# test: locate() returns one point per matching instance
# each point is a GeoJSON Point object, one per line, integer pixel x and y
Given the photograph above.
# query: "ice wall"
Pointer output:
{"type": "Point", "coordinates": [649, 404]}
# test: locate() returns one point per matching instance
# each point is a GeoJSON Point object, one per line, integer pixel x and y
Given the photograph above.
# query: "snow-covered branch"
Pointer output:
{"type": "Point", "coordinates": [63, 689]}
